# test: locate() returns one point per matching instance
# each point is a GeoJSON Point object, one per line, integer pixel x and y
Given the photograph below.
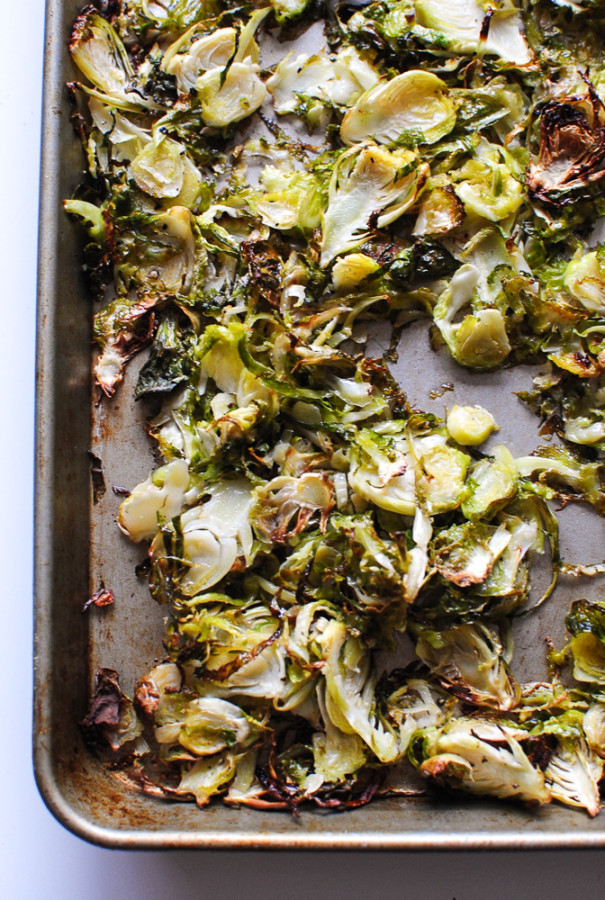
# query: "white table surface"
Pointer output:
{"type": "Point", "coordinates": [38, 857]}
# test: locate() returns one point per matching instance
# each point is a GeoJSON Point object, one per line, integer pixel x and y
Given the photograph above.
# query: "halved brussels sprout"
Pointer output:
{"type": "Point", "coordinates": [412, 108]}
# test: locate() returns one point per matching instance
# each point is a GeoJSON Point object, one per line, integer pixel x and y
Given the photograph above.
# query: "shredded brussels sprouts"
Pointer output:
{"type": "Point", "coordinates": [248, 211]}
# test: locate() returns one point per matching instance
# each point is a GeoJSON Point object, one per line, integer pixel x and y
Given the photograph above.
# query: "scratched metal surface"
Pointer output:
{"type": "Point", "coordinates": [78, 545]}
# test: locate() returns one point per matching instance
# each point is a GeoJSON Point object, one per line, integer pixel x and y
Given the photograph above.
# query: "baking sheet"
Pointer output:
{"type": "Point", "coordinates": [78, 546]}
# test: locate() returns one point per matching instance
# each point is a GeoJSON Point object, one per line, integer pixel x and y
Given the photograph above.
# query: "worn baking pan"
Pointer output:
{"type": "Point", "coordinates": [78, 546]}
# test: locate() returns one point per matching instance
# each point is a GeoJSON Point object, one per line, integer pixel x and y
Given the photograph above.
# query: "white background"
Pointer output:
{"type": "Point", "coordinates": [38, 858]}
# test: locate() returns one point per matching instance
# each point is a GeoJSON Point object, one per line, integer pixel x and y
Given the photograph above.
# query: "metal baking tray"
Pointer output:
{"type": "Point", "coordinates": [78, 546]}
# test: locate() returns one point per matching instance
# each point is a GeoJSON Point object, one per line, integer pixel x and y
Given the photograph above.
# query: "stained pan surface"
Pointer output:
{"type": "Point", "coordinates": [78, 546]}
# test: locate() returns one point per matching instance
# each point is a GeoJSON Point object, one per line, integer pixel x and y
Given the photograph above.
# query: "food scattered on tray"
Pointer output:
{"type": "Point", "coordinates": [264, 183]}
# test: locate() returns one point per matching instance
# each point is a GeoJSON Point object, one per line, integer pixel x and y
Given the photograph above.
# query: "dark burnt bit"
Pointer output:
{"type": "Point", "coordinates": [539, 750]}
{"type": "Point", "coordinates": [103, 597]}
{"type": "Point", "coordinates": [264, 266]}
{"type": "Point", "coordinates": [80, 125]}
{"type": "Point", "coordinates": [81, 30]}
{"type": "Point", "coordinates": [487, 20]}
{"type": "Point", "coordinates": [105, 707]}
{"type": "Point", "coordinates": [98, 477]}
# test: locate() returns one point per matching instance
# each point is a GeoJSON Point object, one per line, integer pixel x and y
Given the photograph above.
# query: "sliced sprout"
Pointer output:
{"type": "Point", "coordinates": [572, 141]}
{"type": "Point", "coordinates": [232, 98]}
{"type": "Point", "coordinates": [487, 185]}
{"type": "Point", "coordinates": [370, 187]}
{"type": "Point", "coordinates": [593, 725]}
{"type": "Point", "coordinates": [245, 787]}
{"type": "Point", "coordinates": [127, 139]}
{"type": "Point", "coordinates": [288, 9]}
{"type": "Point", "coordinates": [413, 107]}
{"type": "Point", "coordinates": [289, 200]}
{"type": "Point", "coordinates": [244, 649]}
{"type": "Point", "coordinates": [159, 498]}
{"type": "Point", "coordinates": [573, 774]}
{"type": "Point", "coordinates": [159, 169]}
{"type": "Point", "coordinates": [336, 753]}
{"type": "Point", "coordinates": [210, 51]}
{"type": "Point", "coordinates": [207, 777]}
{"type": "Point", "coordinates": [491, 484]}
{"type": "Point", "coordinates": [286, 505]}
{"type": "Point", "coordinates": [480, 340]}
{"type": "Point", "coordinates": [101, 56]}
{"type": "Point", "coordinates": [465, 554]}
{"type": "Point", "coordinates": [440, 478]}
{"type": "Point", "coordinates": [558, 466]}
{"type": "Point", "coordinates": [440, 211]}
{"type": "Point", "coordinates": [204, 725]}
{"type": "Point", "coordinates": [470, 425]}
{"type": "Point", "coordinates": [482, 757]}
{"type": "Point", "coordinates": [461, 24]}
{"type": "Point", "coordinates": [468, 660]}
{"type": "Point", "coordinates": [586, 625]}
{"type": "Point", "coordinates": [91, 216]}
{"type": "Point", "coordinates": [352, 269]}
{"type": "Point", "coordinates": [301, 82]}
{"type": "Point", "coordinates": [422, 531]}
{"type": "Point", "coordinates": [212, 537]}
{"type": "Point", "coordinates": [382, 469]}
{"type": "Point", "coordinates": [585, 280]}
{"type": "Point", "coordinates": [414, 706]}
{"type": "Point", "coordinates": [165, 678]}
{"type": "Point", "coordinates": [350, 701]}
